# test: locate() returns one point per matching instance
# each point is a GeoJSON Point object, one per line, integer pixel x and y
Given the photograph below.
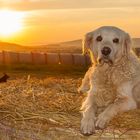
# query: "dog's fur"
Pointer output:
{"type": "Point", "coordinates": [112, 82]}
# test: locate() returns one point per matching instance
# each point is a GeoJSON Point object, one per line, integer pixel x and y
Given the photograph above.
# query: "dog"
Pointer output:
{"type": "Point", "coordinates": [113, 81]}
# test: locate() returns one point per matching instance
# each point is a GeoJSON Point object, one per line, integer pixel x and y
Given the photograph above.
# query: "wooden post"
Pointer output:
{"type": "Point", "coordinates": [32, 57]}
{"type": "Point", "coordinates": [3, 57]}
{"type": "Point", "coordinates": [46, 60]}
{"type": "Point", "coordinates": [59, 58]}
{"type": "Point", "coordinates": [73, 62]}
{"type": "Point", "coordinates": [18, 58]}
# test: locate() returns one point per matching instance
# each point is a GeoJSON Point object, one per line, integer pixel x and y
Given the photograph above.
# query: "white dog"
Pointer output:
{"type": "Point", "coordinates": [113, 82]}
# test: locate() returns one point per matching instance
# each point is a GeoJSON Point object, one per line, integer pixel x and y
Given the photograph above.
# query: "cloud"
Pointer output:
{"type": "Point", "coordinates": [66, 4]}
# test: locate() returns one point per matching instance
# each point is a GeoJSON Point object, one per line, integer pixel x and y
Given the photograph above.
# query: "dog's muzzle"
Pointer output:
{"type": "Point", "coordinates": [105, 56]}
{"type": "Point", "coordinates": [103, 60]}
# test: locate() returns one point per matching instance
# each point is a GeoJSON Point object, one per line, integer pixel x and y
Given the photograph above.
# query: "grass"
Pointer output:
{"type": "Point", "coordinates": [56, 70]}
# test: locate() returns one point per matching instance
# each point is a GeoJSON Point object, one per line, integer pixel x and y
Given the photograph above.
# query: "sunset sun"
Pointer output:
{"type": "Point", "coordinates": [10, 22]}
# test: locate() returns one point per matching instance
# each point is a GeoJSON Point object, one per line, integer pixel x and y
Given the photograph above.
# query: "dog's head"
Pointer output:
{"type": "Point", "coordinates": [107, 44]}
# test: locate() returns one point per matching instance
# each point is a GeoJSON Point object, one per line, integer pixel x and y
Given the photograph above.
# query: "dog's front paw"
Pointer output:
{"type": "Point", "coordinates": [102, 121]}
{"type": "Point", "coordinates": [87, 126]}
{"type": "Point", "coordinates": [83, 89]}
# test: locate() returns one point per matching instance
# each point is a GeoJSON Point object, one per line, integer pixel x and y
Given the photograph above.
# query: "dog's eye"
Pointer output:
{"type": "Point", "coordinates": [99, 38]}
{"type": "Point", "coordinates": [115, 40]}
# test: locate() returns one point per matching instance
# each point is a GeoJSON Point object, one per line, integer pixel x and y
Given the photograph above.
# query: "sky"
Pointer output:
{"type": "Point", "coordinates": [52, 21]}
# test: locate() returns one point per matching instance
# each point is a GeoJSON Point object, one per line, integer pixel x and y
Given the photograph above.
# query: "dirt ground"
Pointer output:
{"type": "Point", "coordinates": [48, 108]}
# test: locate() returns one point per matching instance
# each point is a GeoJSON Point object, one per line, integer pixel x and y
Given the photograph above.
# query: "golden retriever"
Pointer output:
{"type": "Point", "coordinates": [113, 82]}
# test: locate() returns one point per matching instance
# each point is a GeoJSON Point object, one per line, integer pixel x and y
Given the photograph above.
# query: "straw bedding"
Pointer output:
{"type": "Point", "coordinates": [34, 108]}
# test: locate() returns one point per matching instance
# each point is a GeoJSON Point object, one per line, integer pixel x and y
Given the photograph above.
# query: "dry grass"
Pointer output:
{"type": "Point", "coordinates": [30, 107]}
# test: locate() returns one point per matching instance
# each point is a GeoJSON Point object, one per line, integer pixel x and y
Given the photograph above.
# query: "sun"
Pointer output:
{"type": "Point", "coordinates": [10, 22]}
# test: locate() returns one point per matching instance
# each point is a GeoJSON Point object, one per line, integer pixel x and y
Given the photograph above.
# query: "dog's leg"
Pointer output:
{"type": "Point", "coordinates": [136, 94]}
{"type": "Point", "coordinates": [85, 82]}
{"type": "Point", "coordinates": [123, 103]}
{"type": "Point", "coordinates": [89, 110]}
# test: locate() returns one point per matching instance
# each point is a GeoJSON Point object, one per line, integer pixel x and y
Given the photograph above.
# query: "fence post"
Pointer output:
{"type": "Point", "coordinates": [59, 58]}
{"type": "Point", "coordinates": [18, 58]}
{"type": "Point", "coordinates": [73, 62]}
{"type": "Point", "coordinates": [32, 57]}
{"type": "Point", "coordinates": [3, 57]}
{"type": "Point", "coordinates": [46, 60]}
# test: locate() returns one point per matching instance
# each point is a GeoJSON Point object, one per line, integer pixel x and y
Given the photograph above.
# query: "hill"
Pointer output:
{"type": "Point", "coordinates": [69, 47]}
{"type": "Point", "coordinates": [65, 47]}
{"type": "Point", "coordinates": [12, 47]}
{"type": "Point", "coordinates": [136, 42]}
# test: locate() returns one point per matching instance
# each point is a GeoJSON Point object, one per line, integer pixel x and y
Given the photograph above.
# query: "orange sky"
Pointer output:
{"type": "Point", "coordinates": [50, 21]}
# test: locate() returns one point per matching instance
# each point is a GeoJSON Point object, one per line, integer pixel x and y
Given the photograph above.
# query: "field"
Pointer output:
{"type": "Point", "coordinates": [42, 103]}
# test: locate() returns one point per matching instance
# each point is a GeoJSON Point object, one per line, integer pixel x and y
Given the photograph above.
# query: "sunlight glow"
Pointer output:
{"type": "Point", "coordinates": [10, 22]}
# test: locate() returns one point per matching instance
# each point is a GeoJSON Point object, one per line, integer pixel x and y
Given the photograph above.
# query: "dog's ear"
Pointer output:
{"type": "Point", "coordinates": [87, 42]}
{"type": "Point", "coordinates": [127, 44]}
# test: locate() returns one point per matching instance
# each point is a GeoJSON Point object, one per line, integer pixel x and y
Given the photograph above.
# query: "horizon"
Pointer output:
{"type": "Point", "coordinates": [53, 43]}
{"type": "Point", "coordinates": [34, 22]}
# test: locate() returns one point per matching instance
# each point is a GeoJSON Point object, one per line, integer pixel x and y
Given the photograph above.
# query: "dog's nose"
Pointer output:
{"type": "Point", "coordinates": [106, 51]}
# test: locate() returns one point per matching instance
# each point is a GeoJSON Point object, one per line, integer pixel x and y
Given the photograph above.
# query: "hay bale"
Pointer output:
{"type": "Point", "coordinates": [38, 58]}
{"type": "Point", "coordinates": [10, 57]}
{"type": "Point", "coordinates": [1, 57]}
{"type": "Point", "coordinates": [66, 58]}
{"type": "Point", "coordinates": [25, 58]}
{"type": "Point", "coordinates": [79, 59]}
{"type": "Point", "coordinates": [52, 58]}
{"type": "Point", "coordinates": [88, 60]}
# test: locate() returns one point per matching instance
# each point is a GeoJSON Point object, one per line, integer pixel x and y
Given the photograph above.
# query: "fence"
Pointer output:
{"type": "Point", "coordinates": [7, 57]}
